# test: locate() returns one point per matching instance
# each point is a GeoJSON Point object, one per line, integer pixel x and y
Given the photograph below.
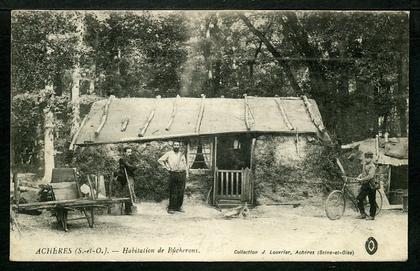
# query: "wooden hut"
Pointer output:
{"type": "Point", "coordinates": [221, 134]}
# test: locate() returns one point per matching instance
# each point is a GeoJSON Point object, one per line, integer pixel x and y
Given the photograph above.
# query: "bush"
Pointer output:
{"type": "Point", "coordinates": [150, 179]}
{"type": "Point", "coordinates": [281, 174]}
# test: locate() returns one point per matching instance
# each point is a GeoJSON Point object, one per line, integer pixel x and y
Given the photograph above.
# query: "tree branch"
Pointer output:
{"type": "Point", "coordinates": [283, 63]}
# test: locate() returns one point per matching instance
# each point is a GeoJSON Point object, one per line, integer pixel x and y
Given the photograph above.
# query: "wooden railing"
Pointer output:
{"type": "Point", "coordinates": [229, 183]}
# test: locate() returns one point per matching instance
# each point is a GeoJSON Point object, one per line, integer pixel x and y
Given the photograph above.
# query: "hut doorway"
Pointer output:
{"type": "Point", "coordinates": [232, 178]}
{"type": "Point", "coordinates": [233, 152]}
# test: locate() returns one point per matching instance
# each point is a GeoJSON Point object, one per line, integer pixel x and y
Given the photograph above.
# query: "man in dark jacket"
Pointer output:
{"type": "Point", "coordinates": [367, 175]}
{"type": "Point", "coordinates": [125, 165]}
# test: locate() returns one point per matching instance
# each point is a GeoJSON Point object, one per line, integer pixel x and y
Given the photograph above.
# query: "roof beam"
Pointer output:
{"type": "Point", "coordinates": [171, 119]}
{"type": "Point", "coordinates": [248, 112]}
{"type": "Point", "coordinates": [308, 107]}
{"type": "Point", "coordinates": [104, 116]}
{"type": "Point", "coordinates": [283, 114]}
{"type": "Point", "coordinates": [200, 114]}
{"type": "Point", "coordinates": [149, 119]}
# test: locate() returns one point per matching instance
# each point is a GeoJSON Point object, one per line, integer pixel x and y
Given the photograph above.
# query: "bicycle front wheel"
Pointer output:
{"type": "Point", "coordinates": [335, 205]}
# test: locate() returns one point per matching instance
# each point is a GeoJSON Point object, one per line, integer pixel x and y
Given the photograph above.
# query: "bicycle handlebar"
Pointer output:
{"type": "Point", "coordinates": [350, 179]}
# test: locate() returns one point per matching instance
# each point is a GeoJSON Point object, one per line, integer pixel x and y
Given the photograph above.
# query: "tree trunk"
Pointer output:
{"type": "Point", "coordinates": [252, 62]}
{"type": "Point", "coordinates": [300, 39]}
{"type": "Point", "coordinates": [76, 77]}
{"type": "Point", "coordinates": [75, 93]}
{"type": "Point", "coordinates": [48, 145]}
{"type": "Point", "coordinates": [401, 98]}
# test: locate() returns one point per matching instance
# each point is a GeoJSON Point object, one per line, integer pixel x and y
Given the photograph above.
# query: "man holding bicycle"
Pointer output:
{"type": "Point", "coordinates": [366, 178]}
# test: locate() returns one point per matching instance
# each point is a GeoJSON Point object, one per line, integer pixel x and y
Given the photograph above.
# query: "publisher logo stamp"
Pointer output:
{"type": "Point", "coordinates": [371, 245]}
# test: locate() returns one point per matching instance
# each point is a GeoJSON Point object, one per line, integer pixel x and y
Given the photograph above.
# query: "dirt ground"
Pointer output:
{"type": "Point", "coordinates": [269, 233]}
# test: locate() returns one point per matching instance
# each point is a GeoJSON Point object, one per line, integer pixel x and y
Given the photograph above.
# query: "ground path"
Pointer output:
{"type": "Point", "coordinates": [202, 233]}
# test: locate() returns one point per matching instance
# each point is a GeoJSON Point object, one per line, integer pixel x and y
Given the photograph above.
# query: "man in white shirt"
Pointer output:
{"type": "Point", "coordinates": [174, 161]}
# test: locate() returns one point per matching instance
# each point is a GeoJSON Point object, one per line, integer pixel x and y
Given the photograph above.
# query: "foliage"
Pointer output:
{"type": "Point", "coordinates": [354, 64]}
{"type": "Point", "coordinates": [27, 120]}
{"type": "Point", "coordinates": [151, 180]}
{"type": "Point", "coordinates": [95, 160]}
{"type": "Point", "coordinates": [279, 174]}
{"type": "Point", "coordinates": [135, 54]}
{"type": "Point", "coordinates": [42, 50]}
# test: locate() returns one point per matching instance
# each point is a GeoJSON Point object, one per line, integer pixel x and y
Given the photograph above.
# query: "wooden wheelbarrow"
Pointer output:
{"type": "Point", "coordinates": [67, 197]}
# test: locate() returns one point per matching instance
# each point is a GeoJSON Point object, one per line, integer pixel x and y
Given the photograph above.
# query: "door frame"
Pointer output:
{"type": "Point", "coordinates": [247, 184]}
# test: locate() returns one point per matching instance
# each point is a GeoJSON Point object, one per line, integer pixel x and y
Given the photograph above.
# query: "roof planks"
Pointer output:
{"type": "Point", "coordinates": [159, 119]}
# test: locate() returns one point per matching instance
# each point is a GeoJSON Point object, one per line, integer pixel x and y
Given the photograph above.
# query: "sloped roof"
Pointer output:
{"type": "Point", "coordinates": [219, 116]}
{"type": "Point", "coordinates": [370, 145]}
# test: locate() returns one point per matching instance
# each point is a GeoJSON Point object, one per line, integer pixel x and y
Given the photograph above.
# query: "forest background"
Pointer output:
{"type": "Point", "coordinates": [354, 64]}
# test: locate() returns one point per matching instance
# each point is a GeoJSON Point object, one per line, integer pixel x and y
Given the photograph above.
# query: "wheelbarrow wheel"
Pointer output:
{"type": "Point", "coordinates": [90, 216]}
{"type": "Point", "coordinates": [61, 216]}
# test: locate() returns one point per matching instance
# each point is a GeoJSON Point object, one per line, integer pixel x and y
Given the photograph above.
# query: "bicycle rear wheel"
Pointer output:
{"type": "Point", "coordinates": [335, 205]}
{"type": "Point", "coordinates": [379, 202]}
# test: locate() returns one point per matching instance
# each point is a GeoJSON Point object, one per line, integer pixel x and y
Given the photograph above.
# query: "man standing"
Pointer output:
{"type": "Point", "coordinates": [126, 181]}
{"type": "Point", "coordinates": [174, 162]}
{"type": "Point", "coordinates": [365, 178]}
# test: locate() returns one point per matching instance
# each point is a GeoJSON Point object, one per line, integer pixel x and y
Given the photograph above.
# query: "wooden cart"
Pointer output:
{"type": "Point", "coordinates": [67, 197]}
{"type": "Point", "coordinates": [60, 208]}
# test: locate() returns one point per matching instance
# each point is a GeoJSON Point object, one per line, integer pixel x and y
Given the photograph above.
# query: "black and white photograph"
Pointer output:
{"type": "Point", "coordinates": [209, 135]}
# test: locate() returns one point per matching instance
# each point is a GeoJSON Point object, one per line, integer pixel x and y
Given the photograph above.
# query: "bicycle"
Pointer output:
{"type": "Point", "coordinates": [335, 203]}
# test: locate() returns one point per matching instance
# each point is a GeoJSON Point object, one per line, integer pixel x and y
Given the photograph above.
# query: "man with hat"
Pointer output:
{"type": "Point", "coordinates": [367, 175]}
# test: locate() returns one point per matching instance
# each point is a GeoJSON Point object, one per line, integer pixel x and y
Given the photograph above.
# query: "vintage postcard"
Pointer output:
{"type": "Point", "coordinates": [209, 135]}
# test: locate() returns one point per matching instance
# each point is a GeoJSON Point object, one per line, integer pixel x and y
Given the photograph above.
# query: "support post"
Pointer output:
{"type": "Point", "coordinates": [252, 153]}
{"type": "Point", "coordinates": [215, 171]}
{"type": "Point", "coordinates": [187, 159]}
{"type": "Point", "coordinates": [16, 192]}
